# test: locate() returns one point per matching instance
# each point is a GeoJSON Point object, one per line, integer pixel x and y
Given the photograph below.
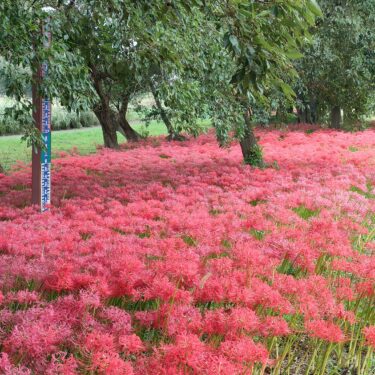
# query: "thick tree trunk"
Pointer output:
{"type": "Point", "coordinates": [302, 115]}
{"type": "Point", "coordinates": [251, 151]}
{"type": "Point", "coordinates": [173, 135]}
{"type": "Point", "coordinates": [307, 114]}
{"type": "Point", "coordinates": [123, 125]}
{"type": "Point", "coordinates": [110, 138]}
{"type": "Point", "coordinates": [108, 123]}
{"type": "Point", "coordinates": [126, 130]}
{"type": "Point", "coordinates": [103, 110]}
{"type": "Point", "coordinates": [248, 142]}
{"type": "Point", "coordinates": [335, 117]}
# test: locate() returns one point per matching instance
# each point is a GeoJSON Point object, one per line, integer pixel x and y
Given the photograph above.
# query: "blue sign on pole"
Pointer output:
{"type": "Point", "coordinates": [41, 157]}
{"type": "Point", "coordinates": [45, 156]}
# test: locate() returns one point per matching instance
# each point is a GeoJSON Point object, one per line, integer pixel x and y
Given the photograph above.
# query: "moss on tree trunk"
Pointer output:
{"type": "Point", "coordinates": [251, 151]}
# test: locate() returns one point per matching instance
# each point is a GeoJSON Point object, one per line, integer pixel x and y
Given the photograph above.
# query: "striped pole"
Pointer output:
{"type": "Point", "coordinates": [41, 158]}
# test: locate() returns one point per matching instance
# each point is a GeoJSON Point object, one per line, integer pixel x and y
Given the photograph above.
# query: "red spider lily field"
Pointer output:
{"type": "Point", "coordinates": [176, 258]}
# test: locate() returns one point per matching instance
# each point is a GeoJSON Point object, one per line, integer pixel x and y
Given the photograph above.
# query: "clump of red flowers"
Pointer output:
{"type": "Point", "coordinates": [193, 263]}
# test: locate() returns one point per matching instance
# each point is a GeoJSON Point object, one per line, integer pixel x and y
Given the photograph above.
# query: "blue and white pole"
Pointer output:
{"type": "Point", "coordinates": [46, 152]}
{"type": "Point", "coordinates": [41, 158]}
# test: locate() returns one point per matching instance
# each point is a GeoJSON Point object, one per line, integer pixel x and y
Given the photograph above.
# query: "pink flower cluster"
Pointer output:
{"type": "Point", "coordinates": [176, 258]}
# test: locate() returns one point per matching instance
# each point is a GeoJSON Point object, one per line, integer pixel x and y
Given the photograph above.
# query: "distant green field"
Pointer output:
{"type": "Point", "coordinates": [84, 140]}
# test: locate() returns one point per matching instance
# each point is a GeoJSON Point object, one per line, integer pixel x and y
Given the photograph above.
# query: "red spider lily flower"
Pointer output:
{"type": "Point", "coordinates": [244, 350]}
{"type": "Point", "coordinates": [369, 333]}
{"type": "Point", "coordinates": [324, 330]}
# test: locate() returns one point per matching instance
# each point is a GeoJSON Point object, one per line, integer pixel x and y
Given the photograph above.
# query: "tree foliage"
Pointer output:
{"type": "Point", "coordinates": [202, 58]}
{"type": "Point", "coordinates": [337, 71]}
{"type": "Point", "coordinates": [261, 39]}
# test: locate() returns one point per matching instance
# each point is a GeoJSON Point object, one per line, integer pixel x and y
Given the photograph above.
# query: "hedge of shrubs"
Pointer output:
{"type": "Point", "coordinates": [62, 119]}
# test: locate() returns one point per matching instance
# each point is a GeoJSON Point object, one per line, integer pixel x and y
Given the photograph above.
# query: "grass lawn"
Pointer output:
{"type": "Point", "coordinates": [85, 140]}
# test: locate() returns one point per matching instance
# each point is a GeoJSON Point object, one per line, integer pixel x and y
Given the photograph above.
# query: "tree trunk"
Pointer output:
{"type": "Point", "coordinates": [103, 110]}
{"type": "Point", "coordinates": [126, 130]}
{"type": "Point", "coordinates": [313, 110]}
{"type": "Point", "coordinates": [108, 123]}
{"type": "Point", "coordinates": [336, 117]}
{"type": "Point", "coordinates": [110, 138]}
{"type": "Point", "coordinates": [123, 125]}
{"type": "Point", "coordinates": [2, 170]}
{"type": "Point", "coordinates": [302, 115]}
{"type": "Point", "coordinates": [307, 113]}
{"type": "Point", "coordinates": [173, 135]}
{"type": "Point", "coordinates": [251, 152]}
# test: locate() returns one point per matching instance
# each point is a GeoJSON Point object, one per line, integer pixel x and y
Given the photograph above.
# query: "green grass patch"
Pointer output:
{"type": "Point", "coordinates": [367, 194]}
{"type": "Point", "coordinates": [226, 244]}
{"type": "Point", "coordinates": [360, 241]}
{"type": "Point", "coordinates": [257, 234]}
{"type": "Point", "coordinates": [85, 236]}
{"type": "Point", "coordinates": [213, 340]}
{"type": "Point", "coordinates": [153, 258]}
{"type": "Point", "coordinates": [223, 254]}
{"type": "Point", "coordinates": [130, 305]}
{"type": "Point", "coordinates": [323, 264]}
{"type": "Point", "coordinates": [353, 149]}
{"type": "Point", "coordinates": [310, 131]}
{"type": "Point", "coordinates": [189, 240]}
{"type": "Point", "coordinates": [52, 295]}
{"type": "Point", "coordinates": [21, 283]}
{"type": "Point", "coordinates": [119, 231]}
{"type": "Point", "coordinates": [84, 141]}
{"type": "Point", "coordinates": [145, 234]}
{"type": "Point", "coordinates": [212, 305]}
{"type": "Point", "coordinates": [151, 335]}
{"type": "Point", "coordinates": [305, 213]}
{"type": "Point", "coordinates": [256, 202]}
{"type": "Point", "coordinates": [215, 212]}
{"type": "Point", "coordinates": [289, 268]}
{"type": "Point", "coordinates": [164, 156]}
